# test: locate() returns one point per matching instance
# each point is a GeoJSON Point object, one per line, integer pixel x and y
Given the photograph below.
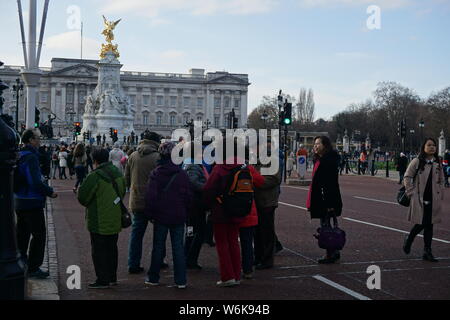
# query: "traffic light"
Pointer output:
{"type": "Point", "coordinates": [398, 128]}
{"type": "Point", "coordinates": [287, 114]}
{"type": "Point", "coordinates": [403, 129]}
{"type": "Point", "coordinates": [84, 136]}
{"type": "Point", "coordinates": [115, 135]}
{"type": "Point", "coordinates": [77, 128]}
{"type": "Point", "coordinates": [37, 119]}
{"type": "Point", "coordinates": [111, 133]}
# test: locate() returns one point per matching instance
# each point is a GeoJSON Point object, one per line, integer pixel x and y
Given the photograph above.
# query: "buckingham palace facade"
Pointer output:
{"type": "Point", "coordinates": [163, 101]}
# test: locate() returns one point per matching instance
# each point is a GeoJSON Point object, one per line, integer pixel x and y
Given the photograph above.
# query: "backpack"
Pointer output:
{"type": "Point", "coordinates": [237, 201]}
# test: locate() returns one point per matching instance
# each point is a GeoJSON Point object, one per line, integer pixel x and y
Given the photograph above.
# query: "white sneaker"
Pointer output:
{"type": "Point", "coordinates": [229, 283]}
{"type": "Point", "coordinates": [153, 284]}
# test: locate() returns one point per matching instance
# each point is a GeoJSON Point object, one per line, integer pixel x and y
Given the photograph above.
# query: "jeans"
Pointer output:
{"type": "Point", "coordinates": [105, 257]}
{"type": "Point", "coordinates": [81, 174]}
{"type": "Point", "coordinates": [402, 174]}
{"type": "Point", "coordinates": [246, 235]}
{"type": "Point", "coordinates": [31, 223]}
{"type": "Point", "coordinates": [62, 172]}
{"type": "Point", "coordinates": [138, 228]}
{"type": "Point", "coordinates": [159, 245]}
{"type": "Point", "coordinates": [194, 243]}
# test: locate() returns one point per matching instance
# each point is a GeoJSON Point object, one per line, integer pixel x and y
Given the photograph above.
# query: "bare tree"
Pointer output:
{"type": "Point", "coordinates": [309, 107]}
{"type": "Point", "coordinates": [305, 107]}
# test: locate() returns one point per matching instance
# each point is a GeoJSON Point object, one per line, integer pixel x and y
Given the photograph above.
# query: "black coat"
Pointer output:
{"type": "Point", "coordinates": [325, 187]}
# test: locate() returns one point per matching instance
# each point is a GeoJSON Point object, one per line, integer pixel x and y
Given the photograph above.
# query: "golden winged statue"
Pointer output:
{"type": "Point", "coordinates": [108, 33]}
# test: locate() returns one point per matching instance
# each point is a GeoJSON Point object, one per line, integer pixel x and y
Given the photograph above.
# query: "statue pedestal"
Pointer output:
{"type": "Point", "coordinates": [108, 106]}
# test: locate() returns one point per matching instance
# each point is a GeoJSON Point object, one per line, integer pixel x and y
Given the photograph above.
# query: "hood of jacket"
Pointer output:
{"type": "Point", "coordinates": [146, 147]}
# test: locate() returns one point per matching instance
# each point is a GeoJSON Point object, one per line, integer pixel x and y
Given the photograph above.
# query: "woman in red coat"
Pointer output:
{"type": "Point", "coordinates": [226, 229]}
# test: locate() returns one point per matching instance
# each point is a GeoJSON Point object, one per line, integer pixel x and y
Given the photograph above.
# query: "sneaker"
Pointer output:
{"type": "Point", "coordinates": [113, 283]}
{"type": "Point", "coordinates": [97, 285]}
{"type": "Point", "coordinates": [135, 270]}
{"type": "Point", "coordinates": [149, 283]}
{"type": "Point", "coordinates": [39, 274]}
{"type": "Point", "coordinates": [180, 286]}
{"type": "Point", "coordinates": [248, 275]}
{"type": "Point", "coordinates": [228, 283]}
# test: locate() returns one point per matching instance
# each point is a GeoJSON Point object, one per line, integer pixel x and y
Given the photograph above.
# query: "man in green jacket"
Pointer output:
{"type": "Point", "coordinates": [103, 216]}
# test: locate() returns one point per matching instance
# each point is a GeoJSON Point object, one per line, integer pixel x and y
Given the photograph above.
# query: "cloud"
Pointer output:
{"type": "Point", "coordinates": [154, 8]}
{"type": "Point", "coordinates": [68, 43]}
{"type": "Point", "coordinates": [384, 4]}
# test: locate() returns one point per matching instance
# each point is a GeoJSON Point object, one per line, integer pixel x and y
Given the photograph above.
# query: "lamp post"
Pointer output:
{"type": "Point", "coordinates": [421, 126]}
{"type": "Point", "coordinates": [264, 117]}
{"type": "Point", "coordinates": [411, 132]}
{"type": "Point", "coordinates": [17, 89]}
{"type": "Point", "coordinates": [12, 268]}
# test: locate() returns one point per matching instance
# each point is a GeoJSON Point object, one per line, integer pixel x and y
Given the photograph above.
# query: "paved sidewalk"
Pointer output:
{"type": "Point", "coordinates": [47, 289]}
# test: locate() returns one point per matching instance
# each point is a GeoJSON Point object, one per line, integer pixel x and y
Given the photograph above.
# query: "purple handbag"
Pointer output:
{"type": "Point", "coordinates": [331, 238]}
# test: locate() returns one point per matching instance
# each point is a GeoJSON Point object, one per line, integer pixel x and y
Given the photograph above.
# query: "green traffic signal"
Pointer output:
{"type": "Point", "coordinates": [287, 121]}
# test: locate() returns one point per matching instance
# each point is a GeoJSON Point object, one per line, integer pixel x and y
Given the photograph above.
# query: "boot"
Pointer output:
{"type": "Point", "coordinates": [330, 258]}
{"type": "Point", "coordinates": [428, 256]}
{"type": "Point", "coordinates": [407, 245]}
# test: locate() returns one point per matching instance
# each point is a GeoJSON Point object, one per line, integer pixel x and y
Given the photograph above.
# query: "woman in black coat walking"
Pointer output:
{"type": "Point", "coordinates": [324, 198]}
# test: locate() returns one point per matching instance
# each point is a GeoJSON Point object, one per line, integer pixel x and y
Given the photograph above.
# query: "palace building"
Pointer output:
{"type": "Point", "coordinates": [163, 101]}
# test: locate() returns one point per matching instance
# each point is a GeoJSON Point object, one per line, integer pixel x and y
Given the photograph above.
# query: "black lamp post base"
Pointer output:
{"type": "Point", "coordinates": [13, 283]}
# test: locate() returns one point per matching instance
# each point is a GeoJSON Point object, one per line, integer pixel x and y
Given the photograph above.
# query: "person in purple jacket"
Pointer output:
{"type": "Point", "coordinates": [168, 199]}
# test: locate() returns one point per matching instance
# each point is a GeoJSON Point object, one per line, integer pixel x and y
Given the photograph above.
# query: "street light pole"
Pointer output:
{"type": "Point", "coordinates": [12, 269]}
{"type": "Point", "coordinates": [17, 89]}
{"type": "Point", "coordinates": [421, 125]}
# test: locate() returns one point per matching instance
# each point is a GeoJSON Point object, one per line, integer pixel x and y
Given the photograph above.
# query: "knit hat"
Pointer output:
{"type": "Point", "coordinates": [150, 135]}
{"type": "Point", "coordinates": [166, 148]}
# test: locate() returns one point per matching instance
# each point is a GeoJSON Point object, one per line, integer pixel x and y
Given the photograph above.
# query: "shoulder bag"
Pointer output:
{"type": "Point", "coordinates": [126, 216]}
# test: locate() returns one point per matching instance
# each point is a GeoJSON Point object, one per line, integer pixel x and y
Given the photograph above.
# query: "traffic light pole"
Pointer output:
{"type": "Point", "coordinates": [285, 152]}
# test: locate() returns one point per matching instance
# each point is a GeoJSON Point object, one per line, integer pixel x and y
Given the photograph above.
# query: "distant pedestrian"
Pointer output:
{"type": "Point", "coordinates": [55, 162]}
{"type": "Point", "coordinates": [290, 164]}
{"type": "Point", "coordinates": [70, 161]}
{"type": "Point", "coordinates": [62, 155]}
{"type": "Point", "coordinates": [168, 199]}
{"type": "Point", "coordinates": [424, 183]}
{"type": "Point", "coordinates": [103, 217]}
{"type": "Point", "coordinates": [45, 161]}
{"type": "Point", "coordinates": [324, 197]}
{"type": "Point", "coordinates": [89, 162]}
{"type": "Point", "coordinates": [137, 172]}
{"type": "Point", "coordinates": [80, 159]}
{"type": "Point", "coordinates": [402, 164]}
{"type": "Point", "coordinates": [116, 155]}
{"type": "Point", "coordinates": [29, 198]}
{"type": "Point", "coordinates": [447, 167]}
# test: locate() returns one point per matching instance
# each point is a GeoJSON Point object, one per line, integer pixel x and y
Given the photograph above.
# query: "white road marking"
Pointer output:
{"type": "Point", "coordinates": [299, 254]}
{"type": "Point", "coordinates": [367, 223]}
{"type": "Point", "coordinates": [307, 189]}
{"type": "Point", "coordinates": [291, 205]}
{"type": "Point", "coordinates": [341, 288]}
{"type": "Point", "coordinates": [376, 200]}
{"type": "Point", "coordinates": [391, 229]}
{"type": "Point", "coordinates": [360, 262]}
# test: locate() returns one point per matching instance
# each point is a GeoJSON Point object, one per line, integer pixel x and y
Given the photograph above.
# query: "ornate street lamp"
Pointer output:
{"type": "Point", "coordinates": [264, 117]}
{"type": "Point", "coordinates": [18, 91]}
{"type": "Point", "coordinates": [421, 126]}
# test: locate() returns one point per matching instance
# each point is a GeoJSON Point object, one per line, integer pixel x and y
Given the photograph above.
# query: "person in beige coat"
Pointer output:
{"type": "Point", "coordinates": [137, 172]}
{"type": "Point", "coordinates": [424, 183]}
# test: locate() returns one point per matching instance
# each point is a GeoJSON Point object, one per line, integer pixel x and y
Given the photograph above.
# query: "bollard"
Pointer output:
{"type": "Point", "coordinates": [373, 168]}
{"type": "Point", "coordinates": [359, 167]}
{"type": "Point", "coordinates": [387, 165]}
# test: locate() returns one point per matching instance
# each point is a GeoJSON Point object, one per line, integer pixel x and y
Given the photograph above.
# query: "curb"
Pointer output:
{"type": "Point", "coordinates": [47, 289]}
